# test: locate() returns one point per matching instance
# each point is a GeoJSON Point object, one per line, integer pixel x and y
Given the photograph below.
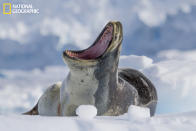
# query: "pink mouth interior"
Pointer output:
{"type": "Point", "coordinates": [98, 48]}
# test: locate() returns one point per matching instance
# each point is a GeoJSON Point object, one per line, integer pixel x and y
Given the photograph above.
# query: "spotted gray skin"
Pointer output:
{"type": "Point", "coordinates": [99, 82]}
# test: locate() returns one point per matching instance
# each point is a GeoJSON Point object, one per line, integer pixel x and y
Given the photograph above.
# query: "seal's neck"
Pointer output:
{"type": "Point", "coordinates": [107, 76]}
{"type": "Point", "coordinates": [96, 83]}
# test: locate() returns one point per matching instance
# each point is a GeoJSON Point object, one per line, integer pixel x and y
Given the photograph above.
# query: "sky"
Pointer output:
{"type": "Point", "coordinates": [149, 26]}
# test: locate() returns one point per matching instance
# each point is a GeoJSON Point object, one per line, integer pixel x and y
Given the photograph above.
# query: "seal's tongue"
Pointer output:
{"type": "Point", "coordinates": [98, 48]}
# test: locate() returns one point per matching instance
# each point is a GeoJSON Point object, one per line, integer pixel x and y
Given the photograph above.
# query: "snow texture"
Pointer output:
{"type": "Point", "coordinates": [86, 111]}
{"type": "Point", "coordinates": [136, 113]}
{"type": "Point", "coordinates": [20, 90]}
{"type": "Point", "coordinates": [177, 122]}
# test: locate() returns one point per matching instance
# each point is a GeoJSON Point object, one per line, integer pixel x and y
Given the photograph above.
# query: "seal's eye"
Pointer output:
{"type": "Point", "coordinates": [98, 48]}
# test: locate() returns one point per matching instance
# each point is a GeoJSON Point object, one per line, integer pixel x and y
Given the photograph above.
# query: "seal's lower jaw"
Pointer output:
{"type": "Point", "coordinates": [108, 40]}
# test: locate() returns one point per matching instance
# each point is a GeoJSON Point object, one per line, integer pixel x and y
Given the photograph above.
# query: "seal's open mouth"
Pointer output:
{"type": "Point", "coordinates": [98, 48]}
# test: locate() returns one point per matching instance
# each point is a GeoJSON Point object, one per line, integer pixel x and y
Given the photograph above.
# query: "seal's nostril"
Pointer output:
{"type": "Point", "coordinates": [115, 38]}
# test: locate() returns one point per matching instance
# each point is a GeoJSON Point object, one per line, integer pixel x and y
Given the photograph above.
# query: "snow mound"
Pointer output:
{"type": "Point", "coordinates": [177, 122]}
{"type": "Point", "coordinates": [86, 111]}
{"type": "Point", "coordinates": [173, 74]}
{"type": "Point", "coordinates": [136, 113]}
{"type": "Point", "coordinates": [20, 90]}
{"type": "Point", "coordinates": [134, 61]}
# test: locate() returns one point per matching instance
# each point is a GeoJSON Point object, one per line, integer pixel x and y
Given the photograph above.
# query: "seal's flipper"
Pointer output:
{"type": "Point", "coordinates": [145, 88]}
{"type": "Point", "coordinates": [33, 111]}
{"type": "Point", "coordinates": [48, 103]}
{"type": "Point", "coordinates": [152, 106]}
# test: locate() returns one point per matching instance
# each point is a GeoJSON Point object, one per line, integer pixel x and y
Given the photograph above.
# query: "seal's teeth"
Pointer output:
{"type": "Point", "coordinates": [71, 54]}
{"type": "Point", "coordinates": [74, 54]}
{"type": "Point", "coordinates": [68, 52]}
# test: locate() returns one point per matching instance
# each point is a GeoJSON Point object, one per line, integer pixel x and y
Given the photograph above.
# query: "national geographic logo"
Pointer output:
{"type": "Point", "coordinates": [9, 8]}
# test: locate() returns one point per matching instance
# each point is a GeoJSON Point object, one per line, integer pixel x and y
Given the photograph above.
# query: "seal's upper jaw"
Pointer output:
{"type": "Point", "coordinates": [108, 40]}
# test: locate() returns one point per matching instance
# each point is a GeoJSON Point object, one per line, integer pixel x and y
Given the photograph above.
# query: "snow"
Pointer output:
{"type": "Point", "coordinates": [136, 113]}
{"type": "Point", "coordinates": [173, 74]}
{"type": "Point", "coordinates": [23, 88]}
{"type": "Point", "coordinates": [86, 111]}
{"type": "Point", "coordinates": [179, 122]}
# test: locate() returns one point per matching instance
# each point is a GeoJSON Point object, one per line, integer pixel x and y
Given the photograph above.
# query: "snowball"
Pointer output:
{"type": "Point", "coordinates": [138, 113]}
{"type": "Point", "coordinates": [86, 111]}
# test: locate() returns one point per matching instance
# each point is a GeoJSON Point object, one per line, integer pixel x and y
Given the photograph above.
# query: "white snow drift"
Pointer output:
{"type": "Point", "coordinates": [173, 74]}
{"type": "Point", "coordinates": [177, 122]}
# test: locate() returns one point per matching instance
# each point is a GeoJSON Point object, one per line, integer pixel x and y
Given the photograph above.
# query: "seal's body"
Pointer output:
{"type": "Point", "coordinates": [95, 79]}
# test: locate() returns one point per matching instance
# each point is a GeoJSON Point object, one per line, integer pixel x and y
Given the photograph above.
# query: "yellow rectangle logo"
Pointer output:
{"type": "Point", "coordinates": [7, 8]}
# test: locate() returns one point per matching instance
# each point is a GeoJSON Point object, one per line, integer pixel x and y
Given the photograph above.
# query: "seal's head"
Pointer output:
{"type": "Point", "coordinates": [93, 71]}
{"type": "Point", "coordinates": [107, 42]}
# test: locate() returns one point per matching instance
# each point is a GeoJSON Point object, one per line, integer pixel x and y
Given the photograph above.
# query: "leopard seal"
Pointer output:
{"type": "Point", "coordinates": [95, 79]}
